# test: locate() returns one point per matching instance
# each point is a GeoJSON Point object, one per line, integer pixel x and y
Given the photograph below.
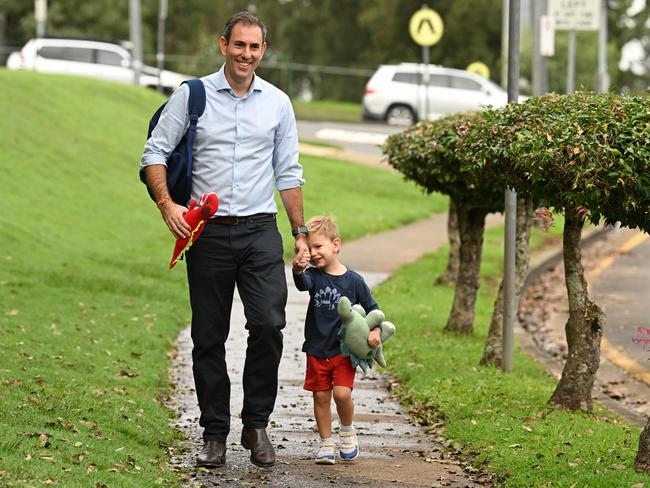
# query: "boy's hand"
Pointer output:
{"type": "Point", "coordinates": [374, 338]}
{"type": "Point", "coordinates": [300, 262]}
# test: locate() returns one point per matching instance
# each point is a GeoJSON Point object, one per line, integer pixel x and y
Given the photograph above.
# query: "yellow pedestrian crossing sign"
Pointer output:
{"type": "Point", "coordinates": [480, 69]}
{"type": "Point", "coordinates": [426, 27]}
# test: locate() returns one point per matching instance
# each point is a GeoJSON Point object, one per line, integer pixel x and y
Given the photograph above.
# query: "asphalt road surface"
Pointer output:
{"type": "Point", "coordinates": [362, 137]}
{"type": "Point", "coordinates": [622, 286]}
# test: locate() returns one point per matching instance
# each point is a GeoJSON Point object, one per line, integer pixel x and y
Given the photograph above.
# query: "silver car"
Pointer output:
{"type": "Point", "coordinates": [398, 95]}
{"type": "Point", "coordinates": [94, 59]}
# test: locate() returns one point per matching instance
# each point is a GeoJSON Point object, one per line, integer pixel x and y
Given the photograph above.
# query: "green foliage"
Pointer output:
{"type": "Point", "coordinates": [364, 35]}
{"type": "Point", "coordinates": [569, 151]}
{"type": "Point", "coordinates": [503, 421]}
{"type": "Point", "coordinates": [427, 154]}
{"type": "Point", "coordinates": [581, 150]}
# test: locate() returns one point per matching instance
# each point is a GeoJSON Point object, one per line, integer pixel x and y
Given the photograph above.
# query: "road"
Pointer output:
{"type": "Point", "coordinates": [363, 137]}
{"type": "Point", "coordinates": [621, 284]}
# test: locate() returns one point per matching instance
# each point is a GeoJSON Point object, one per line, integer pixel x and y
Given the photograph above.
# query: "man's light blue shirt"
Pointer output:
{"type": "Point", "coordinates": [244, 147]}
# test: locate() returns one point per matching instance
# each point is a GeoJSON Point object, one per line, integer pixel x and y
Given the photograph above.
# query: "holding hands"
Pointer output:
{"type": "Point", "coordinates": [301, 261]}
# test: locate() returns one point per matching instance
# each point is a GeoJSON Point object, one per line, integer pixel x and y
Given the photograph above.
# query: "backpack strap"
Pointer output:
{"type": "Point", "coordinates": [195, 107]}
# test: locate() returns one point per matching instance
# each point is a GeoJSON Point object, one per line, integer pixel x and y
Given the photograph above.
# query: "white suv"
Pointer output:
{"type": "Point", "coordinates": [396, 93]}
{"type": "Point", "coordinates": [95, 59]}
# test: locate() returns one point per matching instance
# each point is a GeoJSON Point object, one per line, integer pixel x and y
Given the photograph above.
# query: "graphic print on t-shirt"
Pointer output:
{"type": "Point", "coordinates": [329, 297]}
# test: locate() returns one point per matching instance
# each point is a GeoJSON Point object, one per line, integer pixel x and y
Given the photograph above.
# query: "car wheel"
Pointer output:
{"type": "Point", "coordinates": [400, 115]}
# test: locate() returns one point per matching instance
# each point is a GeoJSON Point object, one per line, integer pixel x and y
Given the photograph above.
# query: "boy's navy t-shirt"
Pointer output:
{"type": "Point", "coordinates": [322, 323]}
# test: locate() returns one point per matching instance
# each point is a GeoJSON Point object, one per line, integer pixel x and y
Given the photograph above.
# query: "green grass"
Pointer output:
{"type": "Point", "coordinates": [328, 110]}
{"type": "Point", "coordinates": [88, 308]}
{"type": "Point", "coordinates": [313, 142]}
{"type": "Point", "coordinates": [502, 420]}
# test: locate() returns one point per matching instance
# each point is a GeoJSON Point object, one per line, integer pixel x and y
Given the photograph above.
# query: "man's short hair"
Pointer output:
{"type": "Point", "coordinates": [243, 18]}
{"type": "Point", "coordinates": [325, 225]}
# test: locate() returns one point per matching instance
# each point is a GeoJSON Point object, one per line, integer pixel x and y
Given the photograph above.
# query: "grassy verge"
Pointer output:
{"type": "Point", "coordinates": [328, 110]}
{"type": "Point", "coordinates": [363, 201]}
{"type": "Point", "coordinates": [502, 420]}
{"type": "Point", "coordinates": [88, 308]}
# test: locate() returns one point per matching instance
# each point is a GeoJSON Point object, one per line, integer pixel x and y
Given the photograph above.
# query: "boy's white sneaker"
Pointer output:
{"type": "Point", "coordinates": [326, 453]}
{"type": "Point", "coordinates": [348, 445]}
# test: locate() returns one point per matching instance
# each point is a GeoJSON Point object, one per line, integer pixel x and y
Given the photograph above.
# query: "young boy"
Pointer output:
{"type": "Point", "coordinates": [328, 372]}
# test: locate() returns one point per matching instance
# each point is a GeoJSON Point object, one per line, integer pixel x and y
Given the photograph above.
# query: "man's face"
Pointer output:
{"type": "Point", "coordinates": [243, 53]}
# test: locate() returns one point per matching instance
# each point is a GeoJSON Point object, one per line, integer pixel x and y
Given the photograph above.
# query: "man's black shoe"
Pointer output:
{"type": "Point", "coordinates": [262, 453]}
{"type": "Point", "coordinates": [212, 455]}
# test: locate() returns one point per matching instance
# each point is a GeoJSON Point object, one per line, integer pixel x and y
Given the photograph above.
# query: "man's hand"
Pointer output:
{"type": "Point", "coordinates": [172, 214]}
{"type": "Point", "coordinates": [300, 246]}
{"type": "Point", "coordinates": [374, 338]}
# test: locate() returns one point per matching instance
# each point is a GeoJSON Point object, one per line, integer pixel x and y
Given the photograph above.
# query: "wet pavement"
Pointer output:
{"type": "Point", "coordinates": [394, 451]}
{"type": "Point", "coordinates": [622, 284]}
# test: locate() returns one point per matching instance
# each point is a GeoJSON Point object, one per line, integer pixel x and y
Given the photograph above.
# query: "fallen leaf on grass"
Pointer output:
{"type": "Point", "coordinates": [128, 374]}
{"type": "Point", "coordinates": [45, 442]}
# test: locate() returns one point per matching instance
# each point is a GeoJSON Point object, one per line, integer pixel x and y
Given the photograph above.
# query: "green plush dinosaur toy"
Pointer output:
{"type": "Point", "coordinates": [355, 327]}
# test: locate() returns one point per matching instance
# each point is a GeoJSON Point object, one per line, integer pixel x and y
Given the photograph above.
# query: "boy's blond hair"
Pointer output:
{"type": "Point", "coordinates": [325, 225]}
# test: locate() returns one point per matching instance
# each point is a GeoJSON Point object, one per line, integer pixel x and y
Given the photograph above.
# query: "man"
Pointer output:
{"type": "Point", "coordinates": [246, 144]}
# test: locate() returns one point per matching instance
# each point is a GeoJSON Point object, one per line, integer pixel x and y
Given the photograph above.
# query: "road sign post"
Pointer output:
{"type": "Point", "coordinates": [40, 16]}
{"type": "Point", "coordinates": [426, 29]}
{"type": "Point", "coordinates": [510, 237]}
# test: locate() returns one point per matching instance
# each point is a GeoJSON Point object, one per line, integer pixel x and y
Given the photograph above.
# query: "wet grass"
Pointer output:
{"type": "Point", "coordinates": [328, 110]}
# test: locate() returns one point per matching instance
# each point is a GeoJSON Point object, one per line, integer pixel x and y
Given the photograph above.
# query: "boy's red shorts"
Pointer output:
{"type": "Point", "coordinates": [325, 374]}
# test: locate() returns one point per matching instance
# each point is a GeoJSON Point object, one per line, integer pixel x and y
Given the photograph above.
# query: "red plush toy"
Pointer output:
{"type": "Point", "coordinates": [196, 217]}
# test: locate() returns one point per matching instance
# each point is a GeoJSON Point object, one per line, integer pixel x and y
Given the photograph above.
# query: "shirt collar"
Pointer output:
{"type": "Point", "coordinates": [221, 83]}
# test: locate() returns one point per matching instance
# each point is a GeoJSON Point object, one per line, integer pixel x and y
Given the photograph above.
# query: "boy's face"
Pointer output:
{"type": "Point", "coordinates": [324, 251]}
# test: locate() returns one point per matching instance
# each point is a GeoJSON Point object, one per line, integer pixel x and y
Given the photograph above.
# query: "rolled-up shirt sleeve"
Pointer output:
{"type": "Point", "coordinates": [169, 130]}
{"type": "Point", "coordinates": [287, 169]}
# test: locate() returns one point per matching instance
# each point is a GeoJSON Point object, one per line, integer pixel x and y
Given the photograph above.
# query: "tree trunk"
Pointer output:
{"type": "Point", "coordinates": [584, 327]}
{"type": "Point", "coordinates": [471, 224]}
{"type": "Point", "coordinates": [642, 462]}
{"type": "Point", "coordinates": [453, 259]}
{"type": "Point", "coordinates": [493, 351]}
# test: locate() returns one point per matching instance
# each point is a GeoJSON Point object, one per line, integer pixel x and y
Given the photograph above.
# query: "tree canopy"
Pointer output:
{"type": "Point", "coordinates": [343, 33]}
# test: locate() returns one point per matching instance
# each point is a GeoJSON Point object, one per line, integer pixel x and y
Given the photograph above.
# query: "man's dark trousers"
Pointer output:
{"type": "Point", "coordinates": [249, 254]}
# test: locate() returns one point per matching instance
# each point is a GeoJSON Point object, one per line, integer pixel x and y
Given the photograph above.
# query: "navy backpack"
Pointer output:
{"type": "Point", "coordinates": [179, 162]}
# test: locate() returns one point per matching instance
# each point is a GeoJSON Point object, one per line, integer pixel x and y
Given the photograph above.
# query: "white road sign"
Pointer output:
{"type": "Point", "coordinates": [547, 36]}
{"type": "Point", "coordinates": [575, 14]}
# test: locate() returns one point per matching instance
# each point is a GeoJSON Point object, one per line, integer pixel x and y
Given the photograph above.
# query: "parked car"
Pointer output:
{"type": "Point", "coordinates": [396, 93]}
{"type": "Point", "coordinates": [95, 59]}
